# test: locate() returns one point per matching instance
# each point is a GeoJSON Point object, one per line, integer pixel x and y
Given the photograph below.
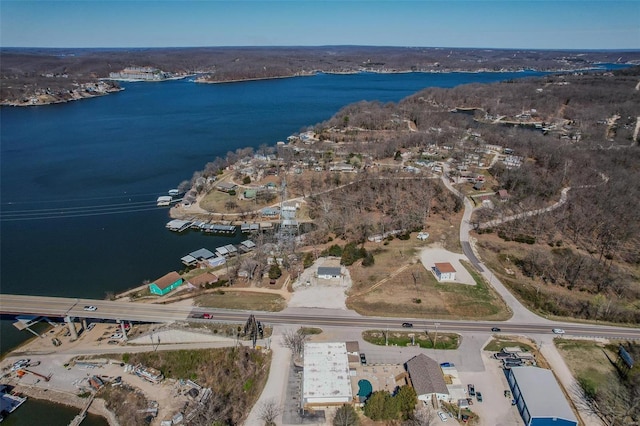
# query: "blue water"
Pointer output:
{"type": "Point", "coordinates": [127, 149]}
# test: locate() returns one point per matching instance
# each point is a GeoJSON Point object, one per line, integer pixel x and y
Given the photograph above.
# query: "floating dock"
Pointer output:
{"type": "Point", "coordinates": [178, 225]}
{"type": "Point", "coordinates": [9, 402]}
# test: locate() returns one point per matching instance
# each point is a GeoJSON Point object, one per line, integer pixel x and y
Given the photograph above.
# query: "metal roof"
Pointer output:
{"type": "Point", "coordinates": [327, 270]}
{"type": "Point", "coordinates": [542, 394]}
{"type": "Point", "coordinates": [202, 253]}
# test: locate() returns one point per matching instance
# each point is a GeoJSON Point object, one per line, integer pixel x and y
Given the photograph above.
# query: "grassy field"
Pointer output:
{"type": "Point", "coordinates": [242, 300]}
{"type": "Point", "coordinates": [399, 286]}
{"type": "Point", "coordinates": [424, 340]}
{"type": "Point", "coordinates": [588, 359]}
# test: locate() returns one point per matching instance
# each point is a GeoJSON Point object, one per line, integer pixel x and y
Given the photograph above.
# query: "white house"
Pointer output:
{"type": "Point", "coordinates": [444, 271]}
{"type": "Point", "coordinates": [327, 273]}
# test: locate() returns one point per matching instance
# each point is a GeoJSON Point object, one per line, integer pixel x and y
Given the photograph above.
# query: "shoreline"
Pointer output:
{"type": "Point", "coordinates": [68, 399]}
{"type": "Point", "coordinates": [16, 103]}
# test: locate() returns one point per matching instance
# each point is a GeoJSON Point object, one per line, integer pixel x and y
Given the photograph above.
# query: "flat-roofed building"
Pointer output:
{"type": "Point", "coordinates": [326, 378]}
{"type": "Point", "coordinates": [539, 398]}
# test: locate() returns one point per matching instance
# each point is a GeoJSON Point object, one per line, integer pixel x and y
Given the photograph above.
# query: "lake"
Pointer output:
{"type": "Point", "coordinates": [79, 180]}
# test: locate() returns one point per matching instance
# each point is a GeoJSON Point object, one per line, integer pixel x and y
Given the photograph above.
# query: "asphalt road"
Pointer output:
{"type": "Point", "coordinates": [108, 310]}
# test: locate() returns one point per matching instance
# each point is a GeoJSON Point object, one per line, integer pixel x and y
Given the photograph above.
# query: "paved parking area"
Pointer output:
{"type": "Point", "coordinates": [495, 409]}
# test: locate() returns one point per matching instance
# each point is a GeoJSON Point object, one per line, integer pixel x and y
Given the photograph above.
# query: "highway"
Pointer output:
{"type": "Point", "coordinates": [144, 312]}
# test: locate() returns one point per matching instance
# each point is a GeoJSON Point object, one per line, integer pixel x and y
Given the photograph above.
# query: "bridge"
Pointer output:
{"type": "Point", "coordinates": [70, 308]}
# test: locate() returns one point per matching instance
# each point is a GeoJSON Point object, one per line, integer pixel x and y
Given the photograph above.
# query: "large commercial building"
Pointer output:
{"type": "Point", "coordinates": [326, 378]}
{"type": "Point", "coordinates": [539, 398]}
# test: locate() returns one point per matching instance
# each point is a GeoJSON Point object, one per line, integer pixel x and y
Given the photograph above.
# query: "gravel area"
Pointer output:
{"type": "Point", "coordinates": [430, 256]}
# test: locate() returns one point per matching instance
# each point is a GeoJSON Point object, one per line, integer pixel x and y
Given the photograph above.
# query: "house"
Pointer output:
{"type": "Point", "coordinates": [166, 283]}
{"type": "Point", "coordinates": [478, 185]}
{"type": "Point", "coordinates": [226, 186]}
{"type": "Point", "coordinates": [444, 271]}
{"type": "Point", "coordinates": [427, 379]}
{"type": "Point", "coordinates": [503, 194]}
{"type": "Point", "coordinates": [249, 194]}
{"type": "Point", "coordinates": [203, 280]}
{"type": "Point", "coordinates": [327, 273]}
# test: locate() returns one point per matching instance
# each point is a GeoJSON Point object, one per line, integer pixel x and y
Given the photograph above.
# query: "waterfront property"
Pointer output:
{"type": "Point", "coordinates": [166, 283]}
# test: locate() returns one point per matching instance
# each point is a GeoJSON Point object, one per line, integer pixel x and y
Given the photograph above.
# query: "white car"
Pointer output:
{"type": "Point", "coordinates": [442, 416]}
{"type": "Point", "coordinates": [90, 308]}
{"type": "Point", "coordinates": [117, 336]}
{"type": "Point", "coordinates": [558, 331]}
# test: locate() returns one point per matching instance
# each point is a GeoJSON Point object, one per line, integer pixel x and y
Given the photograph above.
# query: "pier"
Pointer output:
{"type": "Point", "coordinates": [80, 417]}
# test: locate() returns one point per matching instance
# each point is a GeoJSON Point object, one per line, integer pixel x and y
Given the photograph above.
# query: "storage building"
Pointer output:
{"type": "Point", "coordinates": [326, 379]}
{"type": "Point", "coordinates": [539, 398]}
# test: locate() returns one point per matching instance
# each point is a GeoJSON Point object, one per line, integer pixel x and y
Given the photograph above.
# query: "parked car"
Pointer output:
{"type": "Point", "coordinates": [90, 326]}
{"type": "Point", "coordinates": [117, 336]}
{"type": "Point", "coordinates": [90, 308]}
{"type": "Point", "coordinates": [495, 329]}
{"type": "Point", "coordinates": [479, 396]}
{"type": "Point", "coordinates": [447, 364]}
{"type": "Point", "coordinates": [113, 342]}
{"type": "Point", "coordinates": [407, 324]}
{"type": "Point", "coordinates": [442, 416]}
{"type": "Point", "coordinates": [363, 359]}
{"type": "Point", "coordinates": [471, 389]}
{"type": "Point", "coordinates": [558, 331]}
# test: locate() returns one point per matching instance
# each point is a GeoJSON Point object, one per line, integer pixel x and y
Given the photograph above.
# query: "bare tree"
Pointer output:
{"type": "Point", "coordinates": [269, 411]}
{"type": "Point", "coordinates": [294, 340]}
{"type": "Point", "coordinates": [422, 416]}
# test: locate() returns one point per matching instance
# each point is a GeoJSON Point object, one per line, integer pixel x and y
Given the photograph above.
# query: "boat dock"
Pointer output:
{"type": "Point", "coordinates": [8, 401]}
{"type": "Point", "coordinates": [178, 225]}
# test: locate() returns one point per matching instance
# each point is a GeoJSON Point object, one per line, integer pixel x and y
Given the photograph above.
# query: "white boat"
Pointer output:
{"type": "Point", "coordinates": [173, 192]}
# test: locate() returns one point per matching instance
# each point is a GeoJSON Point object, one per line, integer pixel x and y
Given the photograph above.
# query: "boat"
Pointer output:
{"type": "Point", "coordinates": [9, 402]}
{"type": "Point", "coordinates": [173, 192]}
{"type": "Point", "coordinates": [165, 200]}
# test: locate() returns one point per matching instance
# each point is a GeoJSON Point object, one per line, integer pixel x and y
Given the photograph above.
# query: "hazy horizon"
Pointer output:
{"type": "Point", "coordinates": [515, 25]}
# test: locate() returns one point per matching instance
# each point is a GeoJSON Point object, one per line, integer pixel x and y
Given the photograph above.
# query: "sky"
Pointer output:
{"type": "Point", "coordinates": [513, 24]}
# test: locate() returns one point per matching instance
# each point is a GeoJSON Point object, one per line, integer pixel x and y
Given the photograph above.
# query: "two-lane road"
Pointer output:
{"type": "Point", "coordinates": [144, 312]}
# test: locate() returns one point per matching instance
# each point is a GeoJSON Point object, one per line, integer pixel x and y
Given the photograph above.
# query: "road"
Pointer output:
{"type": "Point", "coordinates": [108, 310]}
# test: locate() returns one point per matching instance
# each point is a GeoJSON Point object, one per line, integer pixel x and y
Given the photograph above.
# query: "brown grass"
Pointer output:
{"type": "Point", "coordinates": [399, 286]}
{"type": "Point", "coordinates": [242, 300]}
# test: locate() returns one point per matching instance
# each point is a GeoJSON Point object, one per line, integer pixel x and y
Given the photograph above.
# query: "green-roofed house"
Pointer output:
{"type": "Point", "coordinates": [249, 194]}
{"type": "Point", "coordinates": [166, 283]}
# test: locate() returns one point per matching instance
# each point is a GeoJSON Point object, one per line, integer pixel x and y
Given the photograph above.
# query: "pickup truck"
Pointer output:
{"type": "Point", "coordinates": [471, 389]}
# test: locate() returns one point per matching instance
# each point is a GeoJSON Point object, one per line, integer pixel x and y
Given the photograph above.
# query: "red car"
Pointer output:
{"type": "Point", "coordinates": [207, 316]}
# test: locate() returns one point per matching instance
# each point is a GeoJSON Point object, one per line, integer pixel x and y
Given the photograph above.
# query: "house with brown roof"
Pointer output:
{"type": "Point", "coordinates": [427, 378]}
{"type": "Point", "coordinates": [203, 280]}
{"type": "Point", "coordinates": [166, 283]}
{"type": "Point", "coordinates": [444, 271]}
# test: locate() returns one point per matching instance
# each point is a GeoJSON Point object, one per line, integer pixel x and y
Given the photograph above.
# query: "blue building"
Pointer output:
{"type": "Point", "coordinates": [539, 398]}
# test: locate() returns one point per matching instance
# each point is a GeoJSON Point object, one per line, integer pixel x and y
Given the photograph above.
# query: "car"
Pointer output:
{"type": "Point", "coordinates": [442, 416]}
{"type": "Point", "coordinates": [447, 364]}
{"type": "Point", "coordinates": [495, 329]}
{"type": "Point", "coordinates": [90, 308]}
{"type": "Point", "coordinates": [90, 326]}
{"type": "Point", "coordinates": [407, 324]}
{"type": "Point", "coordinates": [479, 396]}
{"type": "Point", "coordinates": [113, 342]}
{"type": "Point", "coordinates": [117, 336]}
{"type": "Point", "coordinates": [363, 359]}
{"type": "Point", "coordinates": [558, 331]}
{"type": "Point", "coordinates": [207, 316]}
{"type": "Point", "coordinates": [471, 389]}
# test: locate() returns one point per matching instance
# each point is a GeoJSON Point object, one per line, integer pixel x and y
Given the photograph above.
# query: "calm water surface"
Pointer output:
{"type": "Point", "coordinates": [124, 150]}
